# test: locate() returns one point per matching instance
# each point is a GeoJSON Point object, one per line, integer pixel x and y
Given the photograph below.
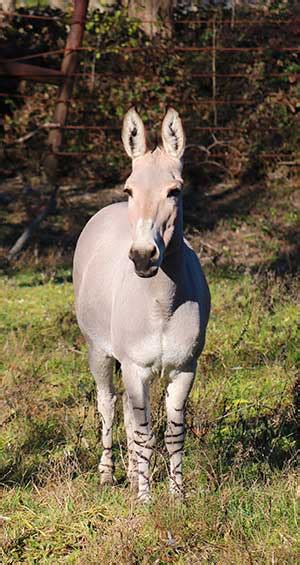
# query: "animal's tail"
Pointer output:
{"type": "Point", "coordinates": [117, 366]}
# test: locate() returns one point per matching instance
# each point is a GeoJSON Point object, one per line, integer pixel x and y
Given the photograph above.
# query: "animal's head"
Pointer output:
{"type": "Point", "coordinates": [154, 189]}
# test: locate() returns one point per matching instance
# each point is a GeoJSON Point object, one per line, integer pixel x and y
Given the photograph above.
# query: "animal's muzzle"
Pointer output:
{"type": "Point", "coordinates": [144, 260]}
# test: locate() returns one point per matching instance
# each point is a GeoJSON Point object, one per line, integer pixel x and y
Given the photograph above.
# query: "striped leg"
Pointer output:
{"type": "Point", "coordinates": [102, 368]}
{"type": "Point", "coordinates": [177, 394]}
{"type": "Point", "coordinates": [132, 472]}
{"type": "Point", "coordinates": [136, 381]}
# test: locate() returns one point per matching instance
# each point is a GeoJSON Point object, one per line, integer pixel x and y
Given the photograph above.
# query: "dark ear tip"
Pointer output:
{"type": "Point", "coordinates": [136, 108]}
{"type": "Point", "coordinates": [130, 110]}
{"type": "Point", "coordinates": [170, 109]}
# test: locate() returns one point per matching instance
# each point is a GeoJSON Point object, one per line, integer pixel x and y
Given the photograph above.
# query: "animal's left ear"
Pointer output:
{"type": "Point", "coordinates": [172, 133]}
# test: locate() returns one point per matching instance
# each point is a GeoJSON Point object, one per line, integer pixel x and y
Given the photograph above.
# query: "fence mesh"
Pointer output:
{"type": "Point", "coordinates": [235, 82]}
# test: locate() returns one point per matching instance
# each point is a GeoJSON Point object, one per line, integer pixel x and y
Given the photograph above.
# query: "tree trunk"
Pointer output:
{"type": "Point", "coordinates": [101, 5]}
{"type": "Point", "coordinates": [8, 5]}
{"type": "Point", "coordinates": [155, 15]}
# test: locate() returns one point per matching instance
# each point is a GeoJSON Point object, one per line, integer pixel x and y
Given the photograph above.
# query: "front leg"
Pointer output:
{"type": "Point", "coordinates": [177, 394]}
{"type": "Point", "coordinates": [136, 382]}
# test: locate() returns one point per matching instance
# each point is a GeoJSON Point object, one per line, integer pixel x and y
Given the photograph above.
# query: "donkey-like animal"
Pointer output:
{"type": "Point", "coordinates": [142, 299]}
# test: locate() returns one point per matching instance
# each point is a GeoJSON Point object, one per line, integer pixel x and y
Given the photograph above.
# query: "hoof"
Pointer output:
{"type": "Point", "coordinates": [144, 498]}
{"type": "Point", "coordinates": [106, 480]}
{"type": "Point", "coordinates": [106, 476]}
{"type": "Point", "coordinates": [133, 480]}
{"type": "Point", "coordinates": [176, 491]}
{"type": "Point", "coordinates": [177, 495]}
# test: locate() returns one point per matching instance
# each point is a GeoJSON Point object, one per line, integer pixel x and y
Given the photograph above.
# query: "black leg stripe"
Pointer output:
{"type": "Point", "coordinates": [144, 491]}
{"type": "Point", "coordinates": [174, 435]}
{"type": "Point", "coordinates": [142, 474]}
{"type": "Point", "coordinates": [180, 449]}
{"type": "Point", "coordinates": [144, 424]}
{"type": "Point", "coordinates": [177, 425]}
{"type": "Point", "coordinates": [179, 442]}
{"type": "Point", "coordinates": [139, 454]}
{"type": "Point", "coordinates": [140, 443]}
{"type": "Point", "coordinates": [138, 408]}
{"type": "Point", "coordinates": [175, 471]}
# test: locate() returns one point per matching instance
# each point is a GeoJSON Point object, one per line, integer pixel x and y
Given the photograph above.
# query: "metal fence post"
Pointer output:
{"type": "Point", "coordinates": [68, 69]}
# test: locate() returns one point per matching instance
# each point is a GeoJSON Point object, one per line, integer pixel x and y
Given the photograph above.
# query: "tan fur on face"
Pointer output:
{"type": "Point", "coordinates": [153, 176]}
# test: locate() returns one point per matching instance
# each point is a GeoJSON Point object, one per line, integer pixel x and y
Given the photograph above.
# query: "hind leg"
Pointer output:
{"type": "Point", "coordinates": [132, 472]}
{"type": "Point", "coordinates": [102, 368]}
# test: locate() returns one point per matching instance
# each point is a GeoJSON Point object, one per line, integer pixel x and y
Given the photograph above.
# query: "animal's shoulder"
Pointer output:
{"type": "Point", "coordinates": [108, 222]}
{"type": "Point", "coordinates": [113, 213]}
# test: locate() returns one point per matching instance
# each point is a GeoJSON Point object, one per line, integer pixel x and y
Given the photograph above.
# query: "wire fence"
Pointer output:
{"type": "Point", "coordinates": [125, 50]}
{"type": "Point", "coordinates": [270, 19]}
{"type": "Point", "coordinates": [121, 59]}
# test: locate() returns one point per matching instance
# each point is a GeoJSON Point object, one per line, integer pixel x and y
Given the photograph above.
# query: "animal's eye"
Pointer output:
{"type": "Point", "coordinates": [173, 192]}
{"type": "Point", "coordinates": [128, 191]}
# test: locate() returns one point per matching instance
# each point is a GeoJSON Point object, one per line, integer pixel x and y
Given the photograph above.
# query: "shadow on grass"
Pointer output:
{"type": "Point", "coordinates": [241, 443]}
{"type": "Point", "coordinates": [205, 208]}
{"type": "Point", "coordinates": [263, 439]}
{"type": "Point", "coordinates": [288, 260]}
{"type": "Point", "coordinates": [246, 446]}
{"type": "Point", "coordinates": [24, 462]}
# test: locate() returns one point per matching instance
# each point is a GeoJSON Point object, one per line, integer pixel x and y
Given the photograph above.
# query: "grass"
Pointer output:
{"type": "Point", "coordinates": [240, 462]}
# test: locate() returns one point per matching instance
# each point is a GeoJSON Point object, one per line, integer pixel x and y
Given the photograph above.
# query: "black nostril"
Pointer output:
{"type": "Point", "coordinates": [153, 252]}
{"type": "Point", "coordinates": [142, 260]}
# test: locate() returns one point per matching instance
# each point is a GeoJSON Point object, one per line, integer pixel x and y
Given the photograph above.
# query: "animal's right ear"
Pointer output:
{"type": "Point", "coordinates": [133, 134]}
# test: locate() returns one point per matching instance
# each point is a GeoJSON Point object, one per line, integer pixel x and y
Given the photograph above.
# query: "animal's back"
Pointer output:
{"type": "Point", "coordinates": [99, 260]}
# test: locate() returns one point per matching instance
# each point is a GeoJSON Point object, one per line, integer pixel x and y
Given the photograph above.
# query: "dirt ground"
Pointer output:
{"type": "Point", "coordinates": [232, 224]}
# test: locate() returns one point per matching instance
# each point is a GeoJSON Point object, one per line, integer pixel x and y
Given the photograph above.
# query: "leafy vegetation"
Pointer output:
{"type": "Point", "coordinates": [256, 92]}
{"type": "Point", "coordinates": [241, 483]}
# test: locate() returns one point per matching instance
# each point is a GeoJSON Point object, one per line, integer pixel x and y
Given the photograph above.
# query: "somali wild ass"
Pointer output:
{"type": "Point", "coordinates": [142, 299]}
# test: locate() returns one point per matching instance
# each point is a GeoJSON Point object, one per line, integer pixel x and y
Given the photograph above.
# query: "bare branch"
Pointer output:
{"type": "Point", "coordinates": [29, 231]}
{"type": "Point", "coordinates": [47, 125]}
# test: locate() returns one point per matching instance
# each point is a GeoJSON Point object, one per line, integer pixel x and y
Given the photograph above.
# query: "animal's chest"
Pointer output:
{"type": "Point", "coordinates": [157, 334]}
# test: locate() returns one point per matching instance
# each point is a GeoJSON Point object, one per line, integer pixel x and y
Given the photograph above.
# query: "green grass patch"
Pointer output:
{"type": "Point", "coordinates": [240, 462]}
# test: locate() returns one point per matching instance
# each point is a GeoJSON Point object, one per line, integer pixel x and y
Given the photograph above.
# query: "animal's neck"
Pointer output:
{"type": "Point", "coordinates": [173, 262]}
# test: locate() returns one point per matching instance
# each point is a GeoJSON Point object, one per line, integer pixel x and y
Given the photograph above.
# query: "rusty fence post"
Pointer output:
{"type": "Point", "coordinates": [68, 69]}
{"type": "Point", "coordinates": [51, 163]}
{"type": "Point", "coordinates": [213, 68]}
